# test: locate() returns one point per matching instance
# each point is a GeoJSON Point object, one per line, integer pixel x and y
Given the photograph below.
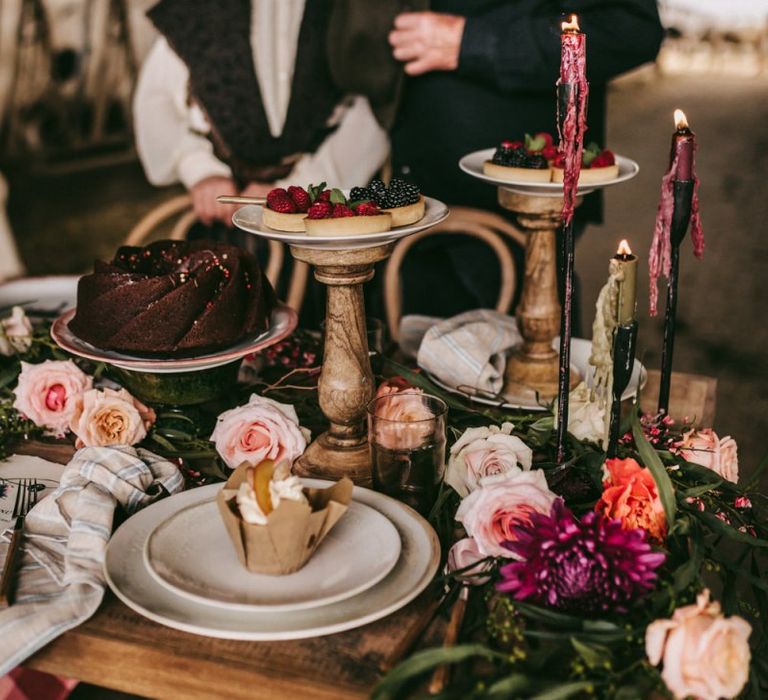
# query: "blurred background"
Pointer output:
{"type": "Point", "coordinates": [72, 186]}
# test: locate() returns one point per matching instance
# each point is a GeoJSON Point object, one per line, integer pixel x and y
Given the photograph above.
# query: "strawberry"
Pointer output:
{"type": "Point", "coordinates": [548, 140]}
{"type": "Point", "coordinates": [274, 195]}
{"type": "Point", "coordinates": [340, 210]}
{"type": "Point", "coordinates": [283, 205]}
{"type": "Point", "coordinates": [300, 198]}
{"type": "Point", "coordinates": [549, 152]}
{"type": "Point", "coordinates": [603, 160]}
{"type": "Point", "coordinates": [512, 145]}
{"type": "Point", "coordinates": [367, 209]}
{"type": "Point", "coordinates": [320, 210]}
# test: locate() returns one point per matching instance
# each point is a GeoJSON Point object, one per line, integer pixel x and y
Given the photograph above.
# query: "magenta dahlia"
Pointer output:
{"type": "Point", "coordinates": [586, 566]}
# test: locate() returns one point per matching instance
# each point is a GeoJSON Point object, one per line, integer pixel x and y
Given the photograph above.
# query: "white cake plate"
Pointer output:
{"type": "Point", "coordinates": [40, 296]}
{"type": "Point", "coordinates": [283, 321]}
{"type": "Point", "coordinates": [250, 219]}
{"type": "Point", "coordinates": [472, 164]}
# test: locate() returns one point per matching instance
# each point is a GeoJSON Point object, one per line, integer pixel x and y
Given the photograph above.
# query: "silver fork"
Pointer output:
{"type": "Point", "coordinates": [26, 499]}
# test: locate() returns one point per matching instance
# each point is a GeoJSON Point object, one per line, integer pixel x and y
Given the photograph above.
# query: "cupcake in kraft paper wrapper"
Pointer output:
{"type": "Point", "coordinates": [293, 530]}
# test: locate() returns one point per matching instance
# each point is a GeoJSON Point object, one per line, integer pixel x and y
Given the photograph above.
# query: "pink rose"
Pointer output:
{"type": "Point", "coordinates": [705, 654]}
{"type": "Point", "coordinates": [108, 417]}
{"type": "Point", "coordinates": [15, 333]}
{"type": "Point", "coordinates": [48, 393]}
{"type": "Point", "coordinates": [705, 448]}
{"type": "Point", "coordinates": [402, 421]}
{"type": "Point", "coordinates": [483, 452]}
{"type": "Point", "coordinates": [491, 512]}
{"type": "Point", "coordinates": [261, 429]}
{"type": "Point", "coordinates": [462, 556]}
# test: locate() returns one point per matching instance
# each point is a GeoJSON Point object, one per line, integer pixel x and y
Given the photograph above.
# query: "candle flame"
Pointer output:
{"type": "Point", "coordinates": [624, 248]}
{"type": "Point", "coordinates": [572, 25]}
{"type": "Point", "coordinates": [681, 122]}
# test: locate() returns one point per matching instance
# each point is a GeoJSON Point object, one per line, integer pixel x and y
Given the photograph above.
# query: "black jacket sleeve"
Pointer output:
{"type": "Point", "coordinates": [516, 46]}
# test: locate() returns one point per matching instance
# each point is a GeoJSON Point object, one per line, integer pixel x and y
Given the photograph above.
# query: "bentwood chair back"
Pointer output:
{"type": "Point", "coordinates": [177, 214]}
{"type": "Point", "coordinates": [490, 228]}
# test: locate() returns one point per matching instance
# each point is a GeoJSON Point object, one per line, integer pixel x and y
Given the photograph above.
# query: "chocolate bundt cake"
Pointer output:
{"type": "Point", "coordinates": [173, 297]}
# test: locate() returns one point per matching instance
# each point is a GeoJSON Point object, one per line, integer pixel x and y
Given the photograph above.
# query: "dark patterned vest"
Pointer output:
{"type": "Point", "coordinates": [213, 39]}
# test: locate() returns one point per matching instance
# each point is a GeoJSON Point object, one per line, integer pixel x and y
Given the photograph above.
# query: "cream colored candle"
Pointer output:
{"type": "Point", "coordinates": [626, 264]}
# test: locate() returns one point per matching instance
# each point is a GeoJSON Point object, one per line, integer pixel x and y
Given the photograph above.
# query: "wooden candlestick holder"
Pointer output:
{"type": "Point", "coordinates": [346, 382]}
{"type": "Point", "coordinates": [532, 369]}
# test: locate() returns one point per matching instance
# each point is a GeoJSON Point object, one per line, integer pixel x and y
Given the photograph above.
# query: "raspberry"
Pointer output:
{"type": "Point", "coordinates": [512, 145]}
{"type": "Point", "coordinates": [549, 152]}
{"type": "Point", "coordinates": [320, 210]}
{"type": "Point", "coordinates": [548, 140]}
{"type": "Point", "coordinates": [324, 196]}
{"type": "Point", "coordinates": [300, 198]}
{"type": "Point", "coordinates": [340, 210]}
{"type": "Point", "coordinates": [275, 195]}
{"type": "Point", "coordinates": [603, 160]}
{"type": "Point", "coordinates": [367, 209]}
{"type": "Point", "coordinates": [283, 205]}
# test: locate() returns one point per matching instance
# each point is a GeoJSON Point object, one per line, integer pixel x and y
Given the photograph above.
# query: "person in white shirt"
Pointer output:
{"type": "Point", "coordinates": [244, 102]}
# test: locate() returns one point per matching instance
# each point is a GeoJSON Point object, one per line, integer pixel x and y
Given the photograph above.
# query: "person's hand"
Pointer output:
{"type": "Point", "coordinates": [427, 41]}
{"type": "Point", "coordinates": [204, 194]}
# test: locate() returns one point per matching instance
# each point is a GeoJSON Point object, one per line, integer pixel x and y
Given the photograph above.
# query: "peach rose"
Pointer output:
{"type": "Point", "coordinates": [462, 556]}
{"type": "Point", "coordinates": [705, 448]}
{"type": "Point", "coordinates": [630, 495]}
{"type": "Point", "coordinates": [261, 429]}
{"type": "Point", "coordinates": [15, 333]}
{"type": "Point", "coordinates": [109, 417]}
{"type": "Point", "coordinates": [706, 655]}
{"type": "Point", "coordinates": [402, 421]}
{"type": "Point", "coordinates": [482, 452]}
{"type": "Point", "coordinates": [491, 512]}
{"type": "Point", "coordinates": [48, 393]}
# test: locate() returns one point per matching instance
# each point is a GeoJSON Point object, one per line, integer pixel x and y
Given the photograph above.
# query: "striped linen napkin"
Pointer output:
{"type": "Point", "coordinates": [61, 582]}
{"type": "Point", "coordinates": [470, 350]}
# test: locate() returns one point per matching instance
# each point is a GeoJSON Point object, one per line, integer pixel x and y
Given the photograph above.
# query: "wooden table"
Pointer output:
{"type": "Point", "coordinates": [119, 649]}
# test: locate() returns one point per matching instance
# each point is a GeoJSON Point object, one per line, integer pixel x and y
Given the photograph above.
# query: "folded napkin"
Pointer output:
{"type": "Point", "coordinates": [61, 582]}
{"type": "Point", "coordinates": [469, 350]}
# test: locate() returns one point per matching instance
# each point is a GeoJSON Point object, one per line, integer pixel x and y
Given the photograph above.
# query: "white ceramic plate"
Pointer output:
{"type": "Point", "coordinates": [41, 294]}
{"type": "Point", "coordinates": [132, 582]}
{"type": "Point", "coordinates": [358, 552]}
{"type": "Point", "coordinates": [282, 323]}
{"type": "Point", "coordinates": [472, 164]}
{"type": "Point", "coordinates": [249, 218]}
{"type": "Point", "coordinates": [581, 349]}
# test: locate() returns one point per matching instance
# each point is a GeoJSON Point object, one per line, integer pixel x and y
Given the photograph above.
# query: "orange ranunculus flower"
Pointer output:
{"type": "Point", "coordinates": [630, 495]}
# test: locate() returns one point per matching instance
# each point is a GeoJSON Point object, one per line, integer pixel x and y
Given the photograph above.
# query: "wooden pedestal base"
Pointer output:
{"type": "Point", "coordinates": [346, 382]}
{"type": "Point", "coordinates": [533, 368]}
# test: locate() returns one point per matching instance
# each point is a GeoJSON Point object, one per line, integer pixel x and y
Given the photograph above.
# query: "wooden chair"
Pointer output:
{"type": "Point", "coordinates": [179, 207]}
{"type": "Point", "coordinates": [486, 226]}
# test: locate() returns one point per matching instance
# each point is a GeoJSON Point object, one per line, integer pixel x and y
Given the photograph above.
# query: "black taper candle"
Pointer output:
{"type": "Point", "coordinates": [624, 342]}
{"type": "Point", "coordinates": [681, 218]}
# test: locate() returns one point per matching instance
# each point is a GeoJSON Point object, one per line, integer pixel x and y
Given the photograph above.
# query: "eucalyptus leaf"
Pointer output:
{"type": "Point", "coordinates": [566, 690]}
{"type": "Point", "coordinates": [511, 686]}
{"type": "Point", "coordinates": [593, 654]}
{"type": "Point", "coordinates": [658, 471]}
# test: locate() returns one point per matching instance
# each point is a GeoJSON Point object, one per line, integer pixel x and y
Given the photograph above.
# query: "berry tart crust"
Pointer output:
{"type": "Point", "coordinates": [407, 214]}
{"type": "Point", "coordinates": [348, 225]}
{"type": "Point", "coordinates": [283, 222]}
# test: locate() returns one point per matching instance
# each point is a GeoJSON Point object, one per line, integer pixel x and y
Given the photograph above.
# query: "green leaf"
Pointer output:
{"type": "Point", "coordinates": [534, 144]}
{"type": "Point", "coordinates": [658, 471]}
{"type": "Point", "coordinates": [337, 197]}
{"type": "Point", "coordinates": [511, 686]}
{"type": "Point", "coordinates": [566, 690]}
{"type": "Point", "coordinates": [423, 661]}
{"type": "Point", "coordinates": [593, 654]}
{"type": "Point", "coordinates": [722, 528]}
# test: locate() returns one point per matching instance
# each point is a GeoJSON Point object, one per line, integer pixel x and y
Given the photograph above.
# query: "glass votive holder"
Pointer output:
{"type": "Point", "coordinates": [406, 435]}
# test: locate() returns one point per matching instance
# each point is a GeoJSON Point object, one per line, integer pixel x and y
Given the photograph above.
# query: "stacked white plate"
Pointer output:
{"type": "Point", "coordinates": [174, 563]}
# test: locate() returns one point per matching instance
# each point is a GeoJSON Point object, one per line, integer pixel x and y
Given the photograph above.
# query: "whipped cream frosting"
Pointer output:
{"type": "Point", "coordinates": [288, 489]}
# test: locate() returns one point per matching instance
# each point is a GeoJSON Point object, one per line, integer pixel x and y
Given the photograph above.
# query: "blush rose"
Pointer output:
{"type": "Point", "coordinates": [401, 419]}
{"type": "Point", "coordinates": [261, 429]}
{"type": "Point", "coordinates": [491, 512]}
{"type": "Point", "coordinates": [630, 495]}
{"type": "Point", "coordinates": [464, 556]}
{"type": "Point", "coordinates": [107, 417]}
{"type": "Point", "coordinates": [48, 393]}
{"type": "Point", "coordinates": [705, 448]}
{"type": "Point", "coordinates": [706, 655]}
{"type": "Point", "coordinates": [483, 452]}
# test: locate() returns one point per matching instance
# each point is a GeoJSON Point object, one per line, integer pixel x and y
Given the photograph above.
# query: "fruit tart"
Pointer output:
{"type": "Point", "coordinates": [340, 216]}
{"type": "Point", "coordinates": [597, 165]}
{"type": "Point", "coordinates": [402, 200]}
{"type": "Point", "coordinates": [527, 160]}
{"type": "Point", "coordinates": [286, 209]}
{"type": "Point", "coordinates": [274, 523]}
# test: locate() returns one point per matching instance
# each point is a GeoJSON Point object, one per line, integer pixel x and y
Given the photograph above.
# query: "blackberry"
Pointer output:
{"type": "Point", "coordinates": [359, 193]}
{"type": "Point", "coordinates": [537, 162]}
{"type": "Point", "coordinates": [376, 187]}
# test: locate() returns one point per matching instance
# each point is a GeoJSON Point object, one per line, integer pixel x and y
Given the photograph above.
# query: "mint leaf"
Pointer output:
{"type": "Point", "coordinates": [534, 144]}
{"type": "Point", "coordinates": [337, 197]}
